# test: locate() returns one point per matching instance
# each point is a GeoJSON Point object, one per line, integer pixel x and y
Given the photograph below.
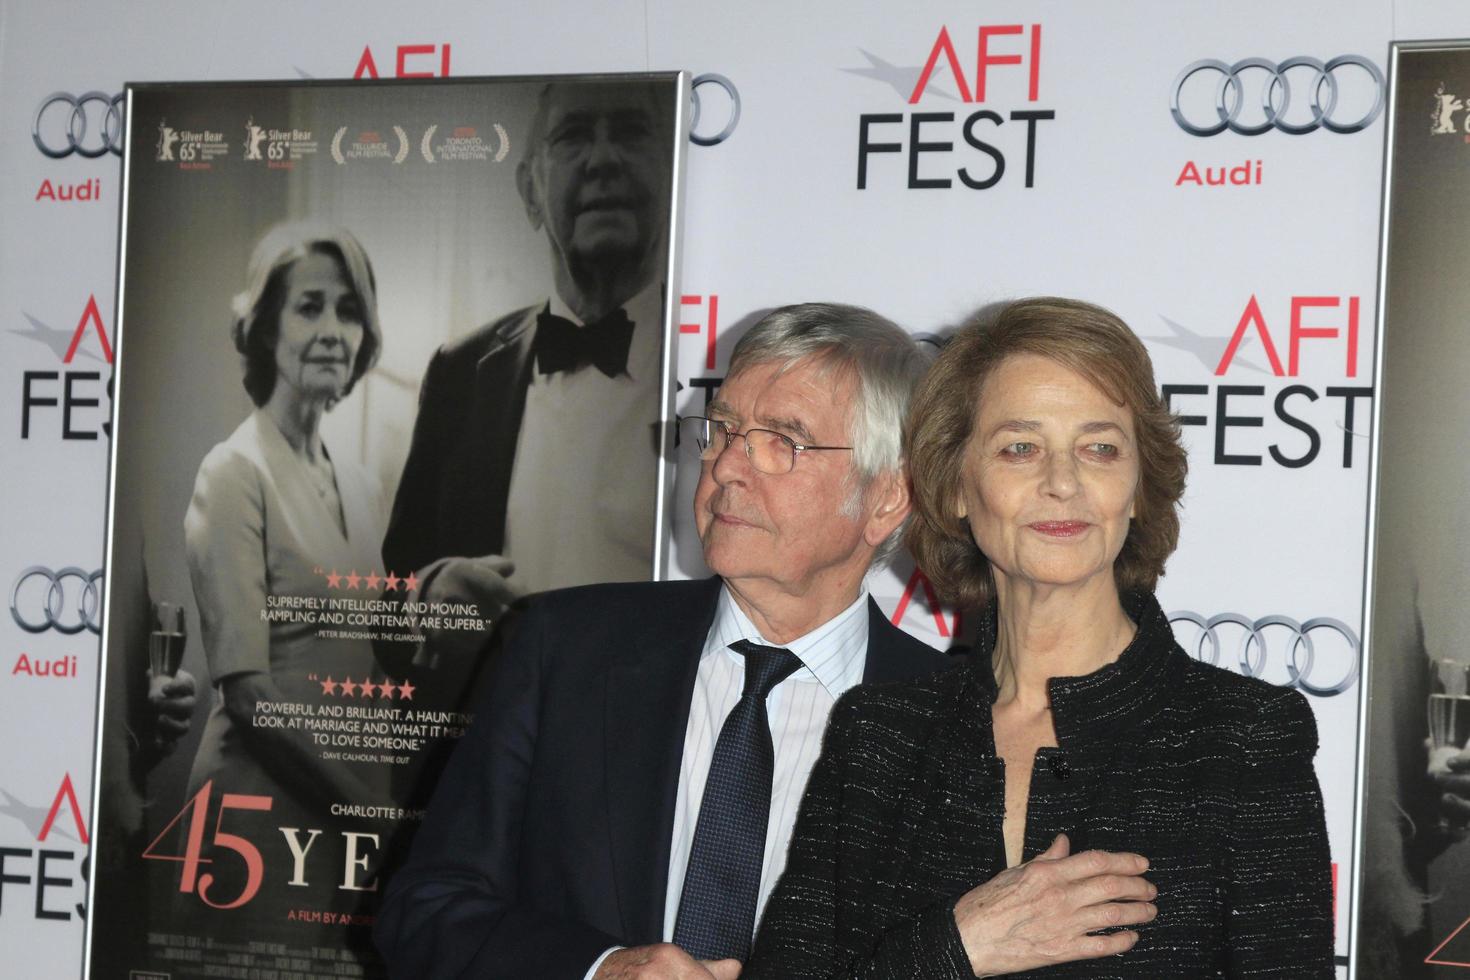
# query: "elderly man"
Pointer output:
{"type": "Point", "coordinates": [622, 805]}
{"type": "Point", "coordinates": [517, 419]}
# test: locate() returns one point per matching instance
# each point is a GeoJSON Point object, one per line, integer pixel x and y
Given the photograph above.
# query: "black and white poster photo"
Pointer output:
{"type": "Point", "coordinates": [391, 358]}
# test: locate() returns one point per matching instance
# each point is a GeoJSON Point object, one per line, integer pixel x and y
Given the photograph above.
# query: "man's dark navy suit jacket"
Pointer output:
{"type": "Point", "coordinates": [547, 840]}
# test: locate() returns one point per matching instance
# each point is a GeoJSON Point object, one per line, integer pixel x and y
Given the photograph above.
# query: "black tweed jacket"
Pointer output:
{"type": "Point", "coordinates": [1206, 773]}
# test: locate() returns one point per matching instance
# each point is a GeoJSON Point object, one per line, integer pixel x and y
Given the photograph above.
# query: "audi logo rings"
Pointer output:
{"type": "Point", "coordinates": [66, 609]}
{"type": "Point", "coordinates": [1255, 651]}
{"type": "Point", "coordinates": [80, 122]}
{"type": "Point", "coordinates": [710, 78]}
{"type": "Point", "coordinates": [1230, 97]}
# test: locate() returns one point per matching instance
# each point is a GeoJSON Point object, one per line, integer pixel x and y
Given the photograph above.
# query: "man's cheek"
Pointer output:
{"type": "Point", "coordinates": [702, 516]}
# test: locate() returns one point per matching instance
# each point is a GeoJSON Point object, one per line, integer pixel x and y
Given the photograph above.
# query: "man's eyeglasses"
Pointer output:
{"type": "Point", "coordinates": [768, 451]}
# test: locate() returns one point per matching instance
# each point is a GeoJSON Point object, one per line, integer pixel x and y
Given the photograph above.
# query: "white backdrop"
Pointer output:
{"type": "Point", "coordinates": [1192, 239]}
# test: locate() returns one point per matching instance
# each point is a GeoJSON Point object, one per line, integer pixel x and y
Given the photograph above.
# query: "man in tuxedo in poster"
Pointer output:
{"type": "Point", "coordinates": [609, 814]}
{"type": "Point", "coordinates": [519, 419]}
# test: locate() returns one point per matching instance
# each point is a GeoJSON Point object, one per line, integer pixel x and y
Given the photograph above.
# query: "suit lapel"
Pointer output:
{"type": "Point", "coordinates": [890, 651]}
{"type": "Point", "coordinates": [501, 378]}
{"type": "Point", "coordinates": [649, 687]}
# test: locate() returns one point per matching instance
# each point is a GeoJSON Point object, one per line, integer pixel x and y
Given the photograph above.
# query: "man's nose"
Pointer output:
{"type": "Point", "coordinates": [732, 464]}
{"type": "Point", "coordinates": [604, 150]}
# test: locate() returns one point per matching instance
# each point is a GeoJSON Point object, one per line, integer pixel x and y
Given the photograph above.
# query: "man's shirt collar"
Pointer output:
{"type": "Point", "coordinates": [833, 654]}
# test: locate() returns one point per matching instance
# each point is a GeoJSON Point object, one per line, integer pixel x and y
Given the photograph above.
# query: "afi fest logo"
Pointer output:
{"type": "Point", "coordinates": [45, 870]}
{"type": "Point", "coordinates": [998, 81]}
{"type": "Point", "coordinates": [716, 100]}
{"type": "Point", "coordinates": [715, 97]}
{"type": "Point", "coordinates": [699, 315]}
{"type": "Point", "coordinates": [67, 403]}
{"type": "Point", "coordinates": [408, 61]}
{"type": "Point", "coordinates": [1281, 419]}
{"type": "Point", "coordinates": [919, 596]}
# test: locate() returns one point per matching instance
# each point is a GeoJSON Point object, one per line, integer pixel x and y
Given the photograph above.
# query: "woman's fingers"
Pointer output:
{"type": "Point", "coordinates": [1089, 864]}
{"type": "Point", "coordinates": [1112, 888]}
{"type": "Point", "coordinates": [1089, 877]}
{"type": "Point", "coordinates": [1093, 947]}
{"type": "Point", "coordinates": [1050, 909]}
{"type": "Point", "coordinates": [1112, 914]}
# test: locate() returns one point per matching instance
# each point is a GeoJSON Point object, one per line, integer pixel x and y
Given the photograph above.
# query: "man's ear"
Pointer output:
{"type": "Point", "coordinates": [889, 503]}
{"type": "Point", "coordinates": [530, 196]}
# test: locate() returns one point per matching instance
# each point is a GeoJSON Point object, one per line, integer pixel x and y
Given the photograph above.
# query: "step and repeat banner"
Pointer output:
{"type": "Point", "coordinates": [1211, 173]}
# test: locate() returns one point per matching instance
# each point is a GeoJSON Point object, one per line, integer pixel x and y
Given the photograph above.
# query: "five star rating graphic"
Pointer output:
{"type": "Point", "coordinates": [367, 688]}
{"type": "Point", "coordinates": [348, 688]}
{"type": "Point", "coordinates": [369, 582]}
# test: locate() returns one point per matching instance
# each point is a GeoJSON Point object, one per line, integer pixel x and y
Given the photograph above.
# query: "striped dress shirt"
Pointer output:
{"type": "Point", "coordinates": [832, 657]}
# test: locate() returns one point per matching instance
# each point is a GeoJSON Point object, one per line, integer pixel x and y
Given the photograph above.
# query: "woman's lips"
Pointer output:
{"type": "Point", "coordinates": [1060, 529]}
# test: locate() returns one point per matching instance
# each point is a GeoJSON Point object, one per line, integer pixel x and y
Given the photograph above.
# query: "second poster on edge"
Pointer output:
{"type": "Point", "coordinates": [1413, 890]}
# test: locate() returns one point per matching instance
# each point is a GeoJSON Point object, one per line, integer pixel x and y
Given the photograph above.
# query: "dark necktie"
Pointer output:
{"type": "Point", "coordinates": [717, 908]}
{"type": "Point", "coordinates": [561, 345]}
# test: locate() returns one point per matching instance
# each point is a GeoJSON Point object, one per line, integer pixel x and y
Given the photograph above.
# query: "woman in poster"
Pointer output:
{"type": "Point", "coordinates": [278, 525]}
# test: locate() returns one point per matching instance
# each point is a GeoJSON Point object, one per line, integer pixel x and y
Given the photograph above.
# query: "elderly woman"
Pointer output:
{"type": "Point", "coordinates": [273, 512]}
{"type": "Point", "coordinates": [1082, 798]}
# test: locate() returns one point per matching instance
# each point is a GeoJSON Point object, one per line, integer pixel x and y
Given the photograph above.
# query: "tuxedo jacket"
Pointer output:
{"type": "Point", "coordinates": [1206, 773]}
{"type": "Point", "coordinates": [451, 499]}
{"type": "Point", "coordinates": [547, 840]}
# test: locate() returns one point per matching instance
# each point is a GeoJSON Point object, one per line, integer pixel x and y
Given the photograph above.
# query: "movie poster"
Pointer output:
{"type": "Point", "coordinates": [391, 356]}
{"type": "Point", "coordinates": [1413, 894]}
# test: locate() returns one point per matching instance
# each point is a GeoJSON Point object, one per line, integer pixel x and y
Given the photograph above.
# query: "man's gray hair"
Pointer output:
{"type": "Point", "coordinates": [883, 359]}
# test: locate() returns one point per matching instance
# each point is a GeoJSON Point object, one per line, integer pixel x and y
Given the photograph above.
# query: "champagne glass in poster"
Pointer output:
{"type": "Point", "coordinates": [1413, 889]}
{"type": "Point", "coordinates": [391, 356]}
